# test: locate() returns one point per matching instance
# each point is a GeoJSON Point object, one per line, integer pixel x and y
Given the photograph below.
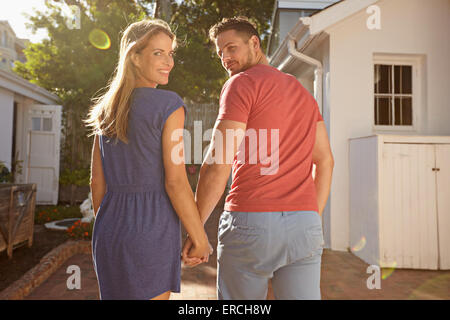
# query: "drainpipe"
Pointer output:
{"type": "Point", "coordinates": [318, 71]}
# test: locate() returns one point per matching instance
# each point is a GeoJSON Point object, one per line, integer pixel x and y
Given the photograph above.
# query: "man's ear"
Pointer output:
{"type": "Point", "coordinates": [255, 42]}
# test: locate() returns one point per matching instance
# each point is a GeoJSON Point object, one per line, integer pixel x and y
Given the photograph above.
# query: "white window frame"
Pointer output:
{"type": "Point", "coordinates": [41, 122]}
{"type": "Point", "coordinates": [415, 63]}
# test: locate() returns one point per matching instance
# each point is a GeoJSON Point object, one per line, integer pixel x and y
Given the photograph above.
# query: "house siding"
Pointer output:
{"type": "Point", "coordinates": [6, 126]}
{"type": "Point", "coordinates": [408, 27]}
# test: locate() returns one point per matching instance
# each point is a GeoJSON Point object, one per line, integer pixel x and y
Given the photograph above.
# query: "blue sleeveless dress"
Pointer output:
{"type": "Point", "coordinates": [136, 240]}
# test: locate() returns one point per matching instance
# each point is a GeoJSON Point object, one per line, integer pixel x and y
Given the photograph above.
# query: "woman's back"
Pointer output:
{"type": "Point", "coordinates": [136, 240]}
{"type": "Point", "coordinates": [140, 162]}
{"type": "Point", "coordinates": [136, 186]}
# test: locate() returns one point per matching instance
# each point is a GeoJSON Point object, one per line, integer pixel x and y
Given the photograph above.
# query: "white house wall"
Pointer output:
{"type": "Point", "coordinates": [321, 53]}
{"type": "Point", "coordinates": [306, 78]}
{"type": "Point", "coordinates": [364, 199]}
{"type": "Point", "coordinates": [21, 137]}
{"type": "Point", "coordinates": [413, 27]}
{"type": "Point", "coordinates": [6, 126]}
{"type": "Point", "coordinates": [324, 51]}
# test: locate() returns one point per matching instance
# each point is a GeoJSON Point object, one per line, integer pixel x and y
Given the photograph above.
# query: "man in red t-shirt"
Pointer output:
{"type": "Point", "coordinates": [270, 132]}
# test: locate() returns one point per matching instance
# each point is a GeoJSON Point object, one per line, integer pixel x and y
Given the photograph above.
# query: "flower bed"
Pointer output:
{"type": "Point", "coordinates": [81, 230]}
{"type": "Point", "coordinates": [51, 213]}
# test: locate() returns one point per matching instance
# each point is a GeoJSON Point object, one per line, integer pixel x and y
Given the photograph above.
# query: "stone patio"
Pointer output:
{"type": "Point", "coordinates": [343, 276]}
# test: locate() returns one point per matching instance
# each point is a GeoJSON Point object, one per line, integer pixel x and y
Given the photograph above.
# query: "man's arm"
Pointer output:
{"type": "Point", "coordinates": [216, 167]}
{"type": "Point", "coordinates": [324, 161]}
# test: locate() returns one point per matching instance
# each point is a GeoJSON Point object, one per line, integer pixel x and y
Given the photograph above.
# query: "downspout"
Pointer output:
{"type": "Point", "coordinates": [318, 71]}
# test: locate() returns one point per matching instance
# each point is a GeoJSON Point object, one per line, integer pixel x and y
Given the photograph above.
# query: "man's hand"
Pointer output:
{"type": "Point", "coordinates": [192, 262]}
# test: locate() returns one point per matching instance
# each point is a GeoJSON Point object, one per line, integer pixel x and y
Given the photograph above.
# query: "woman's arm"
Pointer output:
{"type": "Point", "coordinates": [97, 180]}
{"type": "Point", "coordinates": [177, 184]}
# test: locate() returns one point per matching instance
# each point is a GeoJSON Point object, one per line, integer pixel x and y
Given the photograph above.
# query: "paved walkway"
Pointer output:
{"type": "Point", "coordinates": [343, 277]}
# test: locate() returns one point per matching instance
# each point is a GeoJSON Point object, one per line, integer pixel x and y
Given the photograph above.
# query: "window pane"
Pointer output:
{"type": "Point", "coordinates": [376, 110]}
{"type": "Point", "coordinates": [406, 79]}
{"type": "Point", "coordinates": [403, 111]}
{"type": "Point", "coordinates": [384, 111]}
{"type": "Point", "coordinates": [376, 77]}
{"type": "Point", "coordinates": [403, 79]}
{"type": "Point", "coordinates": [383, 78]}
{"type": "Point", "coordinates": [36, 124]}
{"type": "Point", "coordinates": [398, 108]}
{"type": "Point", "coordinates": [407, 111]}
{"type": "Point", "coordinates": [47, 125]}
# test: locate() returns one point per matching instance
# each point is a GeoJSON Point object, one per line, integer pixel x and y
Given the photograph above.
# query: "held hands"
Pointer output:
{"type": "Point", "coordinates": [193, 255]}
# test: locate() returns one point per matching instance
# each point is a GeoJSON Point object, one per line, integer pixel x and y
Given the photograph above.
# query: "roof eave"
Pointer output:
{"type": "Point", "coordinates": [35, 92]}
{"type": "Point", "coordinates": [308, 28]}
{"type": "Point", "coordinates": [300, 33]}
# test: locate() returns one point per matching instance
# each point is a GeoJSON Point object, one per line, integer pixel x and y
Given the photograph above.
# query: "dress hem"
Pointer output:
{"type": "Point", "coordinates": [159, 292]}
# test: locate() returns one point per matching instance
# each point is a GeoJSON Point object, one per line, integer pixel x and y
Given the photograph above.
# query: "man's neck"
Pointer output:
{"type": "Point", "coordinates": [259, 60]}
{"type": "Point", "coordinates": [262, 60]}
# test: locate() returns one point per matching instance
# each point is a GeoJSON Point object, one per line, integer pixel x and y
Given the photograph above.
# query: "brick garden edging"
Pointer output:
{"type": "Point", "coordinates": [47, 265]}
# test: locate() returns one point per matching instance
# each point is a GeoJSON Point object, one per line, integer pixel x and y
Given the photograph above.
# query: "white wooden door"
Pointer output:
{"type": "Point", "coordinates": [43, 127]}
{"type": "Point", "coordinates": [443, 203]}
{"type": "Point", "coordinates": [408, 218]}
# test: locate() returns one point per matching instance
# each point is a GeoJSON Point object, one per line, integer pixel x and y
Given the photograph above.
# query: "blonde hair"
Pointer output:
{"type": "Point", "coordinates": [109, 114]}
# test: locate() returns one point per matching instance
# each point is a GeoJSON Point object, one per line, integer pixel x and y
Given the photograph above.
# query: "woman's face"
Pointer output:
{"type": "Point", "coordinates": [155, 61]}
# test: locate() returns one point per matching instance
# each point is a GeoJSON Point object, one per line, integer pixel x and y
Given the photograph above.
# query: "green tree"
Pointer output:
{"type": "Point", "coordinates": [76, 63]}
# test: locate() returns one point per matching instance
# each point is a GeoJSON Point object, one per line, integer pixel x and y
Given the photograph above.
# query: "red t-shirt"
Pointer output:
{"type": "Point", "coordinates": [265, 98]}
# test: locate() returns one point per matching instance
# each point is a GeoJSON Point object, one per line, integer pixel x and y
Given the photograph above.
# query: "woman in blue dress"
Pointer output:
{"type": "Point", "coordinates": [140, 191]}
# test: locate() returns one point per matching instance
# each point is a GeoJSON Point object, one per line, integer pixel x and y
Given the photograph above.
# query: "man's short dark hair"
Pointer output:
{"type": "Point", "coordinates": [240, 24]}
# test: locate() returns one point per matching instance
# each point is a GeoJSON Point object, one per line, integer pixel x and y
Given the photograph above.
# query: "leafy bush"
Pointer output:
{"type": "Point", "coordinates": [77, 177]}
{"type": "Point", "coordinates": [5, 175]}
